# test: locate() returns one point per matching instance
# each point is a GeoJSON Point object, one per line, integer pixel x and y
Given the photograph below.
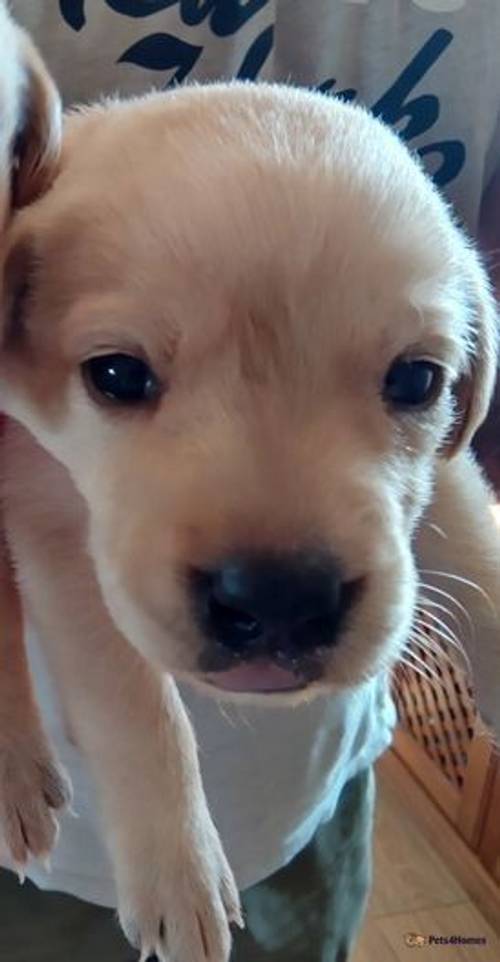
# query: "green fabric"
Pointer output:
{"type": "Point", "coordinates": [309, 911]}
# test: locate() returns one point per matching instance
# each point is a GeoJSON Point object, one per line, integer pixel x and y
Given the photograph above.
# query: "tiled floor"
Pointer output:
{"type": "Point", "coordinates": [415, 891]}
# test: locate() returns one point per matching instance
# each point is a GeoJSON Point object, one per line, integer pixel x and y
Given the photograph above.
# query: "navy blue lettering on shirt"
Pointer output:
{"type": "Point", "coordinates": [226, 17]}
{"type": "Point", "coordinates": [421, 113]}
{"type": "Point", "coordinates": [164, 52]}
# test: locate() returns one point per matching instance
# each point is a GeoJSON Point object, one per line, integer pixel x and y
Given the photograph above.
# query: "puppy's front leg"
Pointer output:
{"type": "Point", "coordinates": [32, 786]}
{"type": "Point", "coordinates": [175, 889]}
{"type": "Point", "coordinates": [176, 893]}
{"type": "Point", "coordinates": [458, 552]}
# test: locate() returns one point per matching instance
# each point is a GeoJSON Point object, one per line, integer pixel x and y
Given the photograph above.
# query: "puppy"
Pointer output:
{"type": "Point", "coordinates": [241, 337]}
{"type": "Point", "coordinates": [32, 786]}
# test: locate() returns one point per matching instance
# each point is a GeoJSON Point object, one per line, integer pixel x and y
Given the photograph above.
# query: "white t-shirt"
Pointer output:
{"type": "Point", "coordinates": [432, 68]}
{"type": "Point", "coordinates": [271, 776]}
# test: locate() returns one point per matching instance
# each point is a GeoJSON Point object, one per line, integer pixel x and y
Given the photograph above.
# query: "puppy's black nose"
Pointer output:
{"type": "Point", "coordinates": [252, 605]}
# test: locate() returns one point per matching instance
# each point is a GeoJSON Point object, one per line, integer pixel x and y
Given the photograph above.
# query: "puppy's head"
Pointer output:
{"type": "Point", "coordinates": [246, 315]}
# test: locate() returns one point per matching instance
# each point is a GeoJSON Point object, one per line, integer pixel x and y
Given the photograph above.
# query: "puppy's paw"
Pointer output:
{"type": "Point", "coordinates": [177, 897]}
{"type": "Point", "coordinates": [33, 788]}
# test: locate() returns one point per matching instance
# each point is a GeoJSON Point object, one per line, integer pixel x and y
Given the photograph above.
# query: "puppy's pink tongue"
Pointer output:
{"type": "Point", "coordinates": [256, 676]}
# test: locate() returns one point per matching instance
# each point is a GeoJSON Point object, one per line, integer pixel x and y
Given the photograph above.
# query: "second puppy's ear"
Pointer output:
{"type": "Point", "coordinates": [37, 144]}
{"type": "Point", "coordinates": [474, 390]}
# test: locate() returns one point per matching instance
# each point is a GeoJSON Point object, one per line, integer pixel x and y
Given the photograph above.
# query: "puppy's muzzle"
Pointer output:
{"type": "Point", "coordinates": [268, 621]}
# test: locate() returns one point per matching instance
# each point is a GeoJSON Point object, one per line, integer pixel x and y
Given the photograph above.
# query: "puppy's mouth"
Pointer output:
{"type": "Point", "coordinates": [262, 672]}
{"type": "Point", "coordinates": [260, 676]}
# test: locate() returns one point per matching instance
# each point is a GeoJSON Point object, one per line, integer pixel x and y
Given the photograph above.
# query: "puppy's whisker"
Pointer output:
{"type": "Point", "coordinates": [429, 663]}
{"type": "Point", "coordinates": [440, 647]}
{"type": "Point", "coordinates": [426, 673]}
{"type": "Point", "coordinates": [225, 713]}
{"type": "Point", "coordinates": [238, 715]}
{"type": "Point", "coordinates": [423, 612]}
{"type": "Point", "coordinates": [419, 637]}
{"type": "Point", "coordinates": [431, 644]}
{"type": "Point", "coordinates": [439, 653]}
{"type": "Point", "coordinates": [445, 594]}
{"type": "Point", "coordinates": [420, 668]}
{"type": "Point", "coordinates": [425, 604]}
{"type": "Point", "coordinates": [434, 634]}
{"type": "Point", "coordinates": [418, 642]}
{"type": "Point", "coordinates": [464, 581]}
{"type": "Point", "coordinates": [439, 627]}
{"type": "Point", "coordinates": [435, 527]}
{"type": "Point", "coordinates": [245, 720]}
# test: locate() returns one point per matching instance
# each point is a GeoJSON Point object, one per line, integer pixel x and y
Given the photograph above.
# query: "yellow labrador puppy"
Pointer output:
{"type": "Point", "coordinates": [244, 350]}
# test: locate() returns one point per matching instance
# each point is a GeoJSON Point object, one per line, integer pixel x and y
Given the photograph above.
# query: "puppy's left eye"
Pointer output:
{"type": "Point", "coordinates": [121, 378]}
{"type": "Point", "coordinates": [412, 384]}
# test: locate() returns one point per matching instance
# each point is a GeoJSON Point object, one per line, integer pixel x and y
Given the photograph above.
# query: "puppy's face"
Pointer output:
{"type": "Point", "coordinates": [245, 313]}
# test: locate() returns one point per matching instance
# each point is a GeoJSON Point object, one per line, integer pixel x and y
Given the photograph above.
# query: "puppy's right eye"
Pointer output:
{"type": "Point", "coordinates": [412, 383]}
{"type": "Point", "coordinates": [121, 378]}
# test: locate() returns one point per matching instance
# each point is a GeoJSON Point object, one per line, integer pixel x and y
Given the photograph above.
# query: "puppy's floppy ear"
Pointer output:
{"type": "Point", "coordinates": [30, 120]}
{"type": "Point", "coordinates": [30, 144]}
{"type": "Point", "coordinates": [474, 389]}
{"type": "Point", "coordinates": [37, 144]}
